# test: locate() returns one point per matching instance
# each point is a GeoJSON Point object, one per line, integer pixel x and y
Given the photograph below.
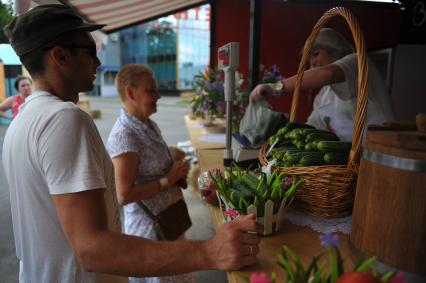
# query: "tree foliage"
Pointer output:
{"type": "Point", "coordinates": [6, 15]}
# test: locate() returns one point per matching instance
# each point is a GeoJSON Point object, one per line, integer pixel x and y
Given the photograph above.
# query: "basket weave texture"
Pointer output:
{"type": "Point", "coordinates": [328, 191]}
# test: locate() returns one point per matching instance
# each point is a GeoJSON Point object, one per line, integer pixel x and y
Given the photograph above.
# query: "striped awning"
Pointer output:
{"type": "Point", "coordinates": [118, 14]}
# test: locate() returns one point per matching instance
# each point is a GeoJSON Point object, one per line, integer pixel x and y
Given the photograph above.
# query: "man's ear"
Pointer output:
{"type": "Point", "coordinates": [58, 55]}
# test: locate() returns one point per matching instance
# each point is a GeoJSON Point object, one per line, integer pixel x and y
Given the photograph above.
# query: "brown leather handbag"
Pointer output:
{"type": "Point", "coordinates": [170, 223]}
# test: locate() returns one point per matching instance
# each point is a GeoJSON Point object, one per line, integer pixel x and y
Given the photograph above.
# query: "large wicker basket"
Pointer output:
{"type": "Point", "coordinates": [328, 191]}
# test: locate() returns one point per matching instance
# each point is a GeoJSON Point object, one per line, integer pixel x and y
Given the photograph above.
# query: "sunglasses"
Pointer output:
{"type": "Point", "coordinates": [91, 48]}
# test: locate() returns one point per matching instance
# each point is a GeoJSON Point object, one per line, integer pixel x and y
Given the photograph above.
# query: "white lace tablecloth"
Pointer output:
{"type": "Point", "coordinates": [320, 225]}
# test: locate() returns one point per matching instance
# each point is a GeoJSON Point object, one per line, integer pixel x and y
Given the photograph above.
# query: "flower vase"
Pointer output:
{"type": "Point", "coordinates": [271, 221]}
{"type": "Point", "coordinates": [207, 120]}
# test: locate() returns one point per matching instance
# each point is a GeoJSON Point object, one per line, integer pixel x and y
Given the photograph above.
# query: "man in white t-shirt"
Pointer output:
{"type": "Point", "coordinates": [334, 69]}
{"type": "Point", "coordinates": [61, 178]}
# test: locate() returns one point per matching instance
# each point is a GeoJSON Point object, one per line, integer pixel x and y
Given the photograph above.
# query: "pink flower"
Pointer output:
{"type": "Point", "coordinates": [232, 213]}
{"type": "Point", "coordinates": [399, 278]}
{"type": "Point", "coordinates": [260, 278]}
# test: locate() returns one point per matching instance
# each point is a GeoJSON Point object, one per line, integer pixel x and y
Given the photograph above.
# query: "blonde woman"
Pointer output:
{"type": "Point", "coordinates": [144, 168]}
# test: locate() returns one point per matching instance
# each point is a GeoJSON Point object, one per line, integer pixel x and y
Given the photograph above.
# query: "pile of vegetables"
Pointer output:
{"type": "Point", "coordinates": [299, 144]}
{"type": "Point", "coordinates": [239, 189]}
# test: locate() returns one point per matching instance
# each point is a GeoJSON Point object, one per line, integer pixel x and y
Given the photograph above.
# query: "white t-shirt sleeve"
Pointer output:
{"type": "Point", "coordinates": [349, 88]}
{"type": "Point", "coordinates": [71, 153]}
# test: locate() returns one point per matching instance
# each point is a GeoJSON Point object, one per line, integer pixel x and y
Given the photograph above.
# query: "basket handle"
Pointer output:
{"type": "Point", "coordinates": [362, 76]}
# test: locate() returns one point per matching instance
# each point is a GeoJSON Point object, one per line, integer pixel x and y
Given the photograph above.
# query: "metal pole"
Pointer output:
{"type": "Point", "coordinates": [229, 91]}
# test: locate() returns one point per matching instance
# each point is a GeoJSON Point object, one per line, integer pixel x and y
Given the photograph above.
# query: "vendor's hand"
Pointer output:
{"type": "Point", "coordinates": [236, 243]}
{"type": "Point", "coordinates": [260, 92]}
{"type": "Point", "coordinates": [179, 170]}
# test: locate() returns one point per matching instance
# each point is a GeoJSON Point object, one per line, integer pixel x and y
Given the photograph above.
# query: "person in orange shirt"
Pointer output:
{"type": "Point", "coordinates": [24, 86]}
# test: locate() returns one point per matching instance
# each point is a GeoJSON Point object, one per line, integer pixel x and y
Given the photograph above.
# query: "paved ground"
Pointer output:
{"type": "Point", "coordinates": [170, 118]}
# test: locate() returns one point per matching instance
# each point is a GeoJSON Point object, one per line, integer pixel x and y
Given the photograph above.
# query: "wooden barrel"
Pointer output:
{"type": "Point", "coordinates": [389, 216]}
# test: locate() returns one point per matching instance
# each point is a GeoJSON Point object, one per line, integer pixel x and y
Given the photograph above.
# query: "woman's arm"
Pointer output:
{"type": "Point", "coordinates": [4, 106]}
{"type": "Point", "coordinates": [316, 78]}
{"type": "Point", "coordinates": [126, 166]}
{"type": "Point", "coordinates": [312, 79]}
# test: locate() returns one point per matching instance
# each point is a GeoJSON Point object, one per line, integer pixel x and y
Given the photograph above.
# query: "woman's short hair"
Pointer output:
{"type": "Point", "coordinates": [130, 74]}
{"type": "Point", "coordinates": [21, 78]}
{"type": "Point", "coordinates": [333, 42]}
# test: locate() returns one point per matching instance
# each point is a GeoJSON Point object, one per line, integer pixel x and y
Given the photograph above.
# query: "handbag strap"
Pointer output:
{"type": "Point", "coordinates": [147, 211]}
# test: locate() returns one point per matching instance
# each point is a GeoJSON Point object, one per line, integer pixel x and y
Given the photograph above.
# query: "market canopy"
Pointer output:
{"type": "Point", "coordinates": [118, 14]}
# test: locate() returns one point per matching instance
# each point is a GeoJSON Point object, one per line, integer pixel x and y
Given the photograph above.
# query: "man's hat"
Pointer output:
{"type": "Point", "coordinates": [42, 25]}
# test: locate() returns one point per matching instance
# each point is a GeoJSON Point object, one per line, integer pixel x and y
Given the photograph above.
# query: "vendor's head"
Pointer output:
{"type": "Point", "coordinates": [137, 89]}
{"type": "Point", "coordinates": [24, 85]}
{"type": "Point", "coordinates": [328, 47]}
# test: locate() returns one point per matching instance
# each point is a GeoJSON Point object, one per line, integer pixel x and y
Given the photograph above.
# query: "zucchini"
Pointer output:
{"type": "Point", "coordinates": [336, 158]}
{"type": "Point", "coordinates": [290, 152]}
{"type": "Point", "coordinates": [283, 143]}
{"type": "Point", "coordinates": [282, 131]}
{"type": "Point", "coordinates": [300, 145]}
{"type": "Point", "coordinates": [306, 132]}
{"type": "Point", "coordinates": [334, 146]}
{"type": "Point", "coordinates": [310, 147]}
{"type": "Point", "coordinates": [322, 136]}
{"type": "Point", "coordinates": [294, 125]}
{"type": "Point", "coordinates": [312, 159]}
{"type": "Point", "coordinates": [294, 157]}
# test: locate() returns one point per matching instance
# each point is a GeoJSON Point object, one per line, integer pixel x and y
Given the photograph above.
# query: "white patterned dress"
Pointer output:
{"type": "Point", "coordinates": [131, 135]}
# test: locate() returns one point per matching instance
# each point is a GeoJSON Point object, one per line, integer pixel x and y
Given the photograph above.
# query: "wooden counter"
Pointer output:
{"type": "Point", "coordinates": [303, 240]}
{"type": "Point", "coordinates": [196, 133]}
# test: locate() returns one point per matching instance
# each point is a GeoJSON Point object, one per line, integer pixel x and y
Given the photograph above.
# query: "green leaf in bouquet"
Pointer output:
{"type": "Point", "coordinates": [340, 267]}
{"type": "Point", "coordinates": [295, 258]}
{"type": "Point", "coordinates": [387, 276]}
{"type": "Point", "coordinates": [333, 264]}
{"type": "Point", "coordinates": [295, 185]}
{"type": "Point", "coordinates": [243, 204]}
{"type": "Point", "coordinates": [250, 180]}
{"type": "Point", "coordinates": [233, 198]}
{"type": "Point", "coordinates": [262, 186]}
{"type": "Point", "coordinates": [363, 266]}
{"type": "Point", "coordinates": [285, 264]}
{"type": "Point", "coordinates": [256, 201]}
{"type": "Point", "coordinates": [243, 276]}
{"type": "Point", "coordinates": [318, 275]}
{"type": "Point", "coordinates": [313, 266]}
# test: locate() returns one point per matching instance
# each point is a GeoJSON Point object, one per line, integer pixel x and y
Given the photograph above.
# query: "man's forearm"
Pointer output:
{"type": "Point", "coordinates": [126, 255]}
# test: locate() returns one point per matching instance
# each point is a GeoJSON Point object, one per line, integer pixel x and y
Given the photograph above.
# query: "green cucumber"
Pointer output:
{"type": "Point", "coordinates": [300, 145]}
{"type": "Point", "coordinates": [306, 132]}
{"type": "Point", "coordinates": [294, 158]}
{"type": "Point", "coordinates": [324, 136]}
{"type": "Point", "coordinates": [294, 125]}
{"type": "Point", "coordinates": [334, 146]}
{"type": "Point", "coordinates": [312, 159]}
{"type": "Point", "coordinates": [310, 147]}
{"type": "Point", "coordinates": [283, 143]}
{"type": "Point", "coordinates": [336, 158]}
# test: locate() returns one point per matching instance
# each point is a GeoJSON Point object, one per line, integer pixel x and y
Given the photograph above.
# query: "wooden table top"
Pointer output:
{"type": "Point", "coordinates": [197, 133]}
{"type": "Point", "coordinates": [301, 239]}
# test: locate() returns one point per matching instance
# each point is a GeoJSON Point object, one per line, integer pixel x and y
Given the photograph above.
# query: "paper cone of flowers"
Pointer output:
{"type": "Point", "coordinates": [242, 192]}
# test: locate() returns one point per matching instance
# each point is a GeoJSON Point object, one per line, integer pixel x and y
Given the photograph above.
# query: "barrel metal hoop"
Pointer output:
{"type": "Point", "coordinates": [402, 163]}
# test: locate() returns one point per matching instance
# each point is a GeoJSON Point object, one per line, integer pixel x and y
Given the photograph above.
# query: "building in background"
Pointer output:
{"type": "Point", "coordinates": [109, 55]}
{"type": "Point", "coordinates": [175, 47]}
